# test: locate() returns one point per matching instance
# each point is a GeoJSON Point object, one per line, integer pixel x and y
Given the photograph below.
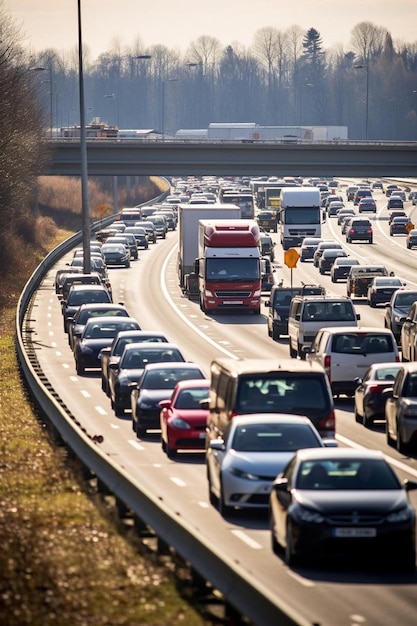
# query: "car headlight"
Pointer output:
{"type": "Point", "coordinates": [143, 404]}
{"type": "Point", "coordinates": [177, 422]}
{"type": "Point", "coordinates": [235, 471]}
{"type": "Point", "coordinates": [277, 316]}
{"type": "Point", "coordinates": [308, 516]}
{"type": "Point", "coordinates": [403, 515]}
{"type": "Point", "coordinates": [86, 349]}
{"type": "Point", "coordinates": [410, 411]}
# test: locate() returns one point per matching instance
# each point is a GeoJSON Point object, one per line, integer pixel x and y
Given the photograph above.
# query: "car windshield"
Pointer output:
{"type": "Point", "coordinates": [140, 357]}
{"type": "Point", "coordinates": [405, 298]}
{"type": "Point", "coordinates": [265, 437]}
{"type": "Point", "coordinates": [76, 298]}
{"type": "Point", "coordinates": [346, 474]}
{"type": "Point", "coordinates": [282, 393]}
{"type": "Point", "coordinates": [191, 398]}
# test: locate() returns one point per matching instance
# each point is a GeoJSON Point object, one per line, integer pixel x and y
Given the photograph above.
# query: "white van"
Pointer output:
{"type": "Point", "coordinates": [346, 353]}
{"type": "Point", "coordinates": [308, 314]}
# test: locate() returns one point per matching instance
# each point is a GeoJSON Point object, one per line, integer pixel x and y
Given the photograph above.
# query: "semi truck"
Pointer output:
{"type": "Point", "coordinates": [188, 218]}
{"type": "Point", "coordinates": [301, 215]}
{"type": "Point", "coordinates": [228, 265]}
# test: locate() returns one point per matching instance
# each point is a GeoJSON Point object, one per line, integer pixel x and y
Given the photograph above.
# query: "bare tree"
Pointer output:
{"type": "Point", "coordinates": [368, 40]}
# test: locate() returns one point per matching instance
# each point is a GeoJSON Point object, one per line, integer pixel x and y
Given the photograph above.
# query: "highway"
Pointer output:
{"type": "Point", "coordinates": [149, 289]}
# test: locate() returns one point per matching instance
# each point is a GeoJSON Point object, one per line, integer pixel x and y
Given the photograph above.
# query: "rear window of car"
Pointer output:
{"type": "Point", "coordinates": [283, 297]}
{"type": "Point", "coordinates": [328, 311]}
{"type": "Point", "coordinates": [362, 343]}
{"type": "Point", "coordinates": [286, 392]}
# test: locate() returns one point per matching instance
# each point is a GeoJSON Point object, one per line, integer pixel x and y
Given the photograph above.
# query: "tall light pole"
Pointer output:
{"type": "Point", "coordinates": [365, 66]}
{"type": "Point", "coordinates": [51, 102]}
{"type": "Point", "coordinates": [83, 145]}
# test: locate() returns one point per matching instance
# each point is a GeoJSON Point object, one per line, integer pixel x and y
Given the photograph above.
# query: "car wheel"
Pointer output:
{"type": "Point", "coordinates": [224, 509]}
{"type": "Point", "coordinates": [212, 498]}
{"type": "Point", "coordinates": [334, 280]}
{"type": "Point", "coordinates": [163, 445]}
{"type": "Point", "coordinates": [79, 368]}
{"type": "Point", "coordinates": [358, 417]}
{"type": "Point", "coordinates": [269, 331]}
{"type": "Point", "coordinates": [104, 385]}
{"type": "Point", "coordinates": [275, 335]}
{"type": "Point", "coordinates": [276, 548]}
{"type": "Point", "coordinates": [400, 444]}
{"type": "Point", "coordinates": [301, 352]}
{"type": "Point", "coordinates": [390, 440]}
{"type": "Point", "coordinates": [371, 241]}
{"type": "Point", "coordinates": [118, 409]}
{"type": "Point", "coordinates": [171, 452]}
{"type": "Point", "coordinates": [372, 303]}
{"type": "Point", "coordinates": [290, 558]}
{"type": "Point", "coordinates": [321, 270]}
{"type": "Point", "coordinates": [293, 353]}
{"type": "Point", "coordinates": [367, 421]}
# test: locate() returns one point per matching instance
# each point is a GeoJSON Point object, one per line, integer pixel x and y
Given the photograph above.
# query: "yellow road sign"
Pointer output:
{"type": "Point", "coordinates": [291, 257]}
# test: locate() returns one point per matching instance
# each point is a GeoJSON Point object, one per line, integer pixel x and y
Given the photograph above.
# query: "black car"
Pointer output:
{"type": "Point", "coordinates": [359, 229]}
{"type": "Point", "coordinates": [140, 235]}
{"type": "Point", "coordinates": [341, 268]}
{"type": "Point", "coordinates": [328, 257]}
{"type": "Point", "coordinates": [369, 399]}
{"type": "Point", "coordinates": [111, 354]}
{"type": "Point", "coordinates": [149, 229]}
{"type": "Point", "coordinates": [267, 246]}
{"type": "Point", "coordinates": [98, 333]}
{"type": "Point", "coordinates": [268, 220]}
{"type": "Point", "coordinates": [86, 311]}
{"type": "Point", "coordinates": [278, 307]}
{"type": "Point", "coordinates": [134, 359]}
{"type": "Point", "coordinates": [411, 241]}
{"type": "Point", "coordinates": [325, 245]}
{"type": "Point", "coordinates": [157, 383]}
{"type": "Point", "coordinates": [342, 503]}
{"type": "Point", "coordinates": [399, 226]}
{"type": "Point", "coordinates": [126, 239]}
{"type": "Point", "coordinates": [82, 294]}
{"type": "Point", "coordinates": [308, 247]}
{"type": "Point", "coordinates": [381, 289]}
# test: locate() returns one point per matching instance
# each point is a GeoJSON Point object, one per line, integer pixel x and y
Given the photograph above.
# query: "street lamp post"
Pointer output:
{"type": "Point", "coordinates": [365, 66]}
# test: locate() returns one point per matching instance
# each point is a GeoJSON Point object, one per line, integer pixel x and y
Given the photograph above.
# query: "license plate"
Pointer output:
{"type": "Point", "coordinates": [202, 435]}
{"type": "Point", "coordinates": [354, 532]}
{"type": "Point", "coordinates": [232, 301]}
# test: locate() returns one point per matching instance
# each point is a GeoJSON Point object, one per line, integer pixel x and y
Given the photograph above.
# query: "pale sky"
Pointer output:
{"type": "Point", "coordinates": [176, 23]}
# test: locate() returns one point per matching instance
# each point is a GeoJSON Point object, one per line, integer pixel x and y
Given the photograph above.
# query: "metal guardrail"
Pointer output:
{"type": "Point", "coordinates": [240, 589]}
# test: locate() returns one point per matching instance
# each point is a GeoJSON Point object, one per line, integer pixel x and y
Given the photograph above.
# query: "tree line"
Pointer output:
{"type": "Point", "coordinates": [284, 78]}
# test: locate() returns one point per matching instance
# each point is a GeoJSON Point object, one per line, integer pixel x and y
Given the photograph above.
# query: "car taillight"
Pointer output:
{"type": "Point", "coordinates": [397, 359]}
{"type": "Point", "coordinates": [328, 422]}
{"type": "Point", "coordinates": [376, 388]}
{"type": "Point", "coordinates": [351, 230]}
{"type": "Point", "coordinates": [327, 363]}
{"type": "Point", "coordinates": [369, 230]}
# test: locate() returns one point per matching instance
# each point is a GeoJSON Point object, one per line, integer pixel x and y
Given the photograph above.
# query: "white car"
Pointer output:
{"type": "Point", "coordinates": [242, 466]}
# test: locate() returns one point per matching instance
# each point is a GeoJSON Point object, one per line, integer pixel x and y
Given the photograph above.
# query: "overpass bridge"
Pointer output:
{"type": "Point", "coordinates": [233, 158]}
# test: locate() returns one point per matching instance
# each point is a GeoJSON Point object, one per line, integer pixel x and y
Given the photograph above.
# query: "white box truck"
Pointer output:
{"type": "Point", "coordinates": [301, 215]}
{"type": "Point", "coordinates": [188, 217]}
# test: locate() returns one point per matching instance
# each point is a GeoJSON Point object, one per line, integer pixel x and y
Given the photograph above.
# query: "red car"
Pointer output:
{"type": "Point", "coordinates": [183, 421]}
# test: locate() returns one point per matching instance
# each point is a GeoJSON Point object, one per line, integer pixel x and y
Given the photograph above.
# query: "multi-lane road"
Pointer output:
{"type": "Point", "coordinates": [329, 597]}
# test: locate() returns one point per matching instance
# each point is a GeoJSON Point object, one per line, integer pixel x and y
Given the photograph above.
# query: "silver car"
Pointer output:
{"type": "Point", "coordinates": [242, 466]}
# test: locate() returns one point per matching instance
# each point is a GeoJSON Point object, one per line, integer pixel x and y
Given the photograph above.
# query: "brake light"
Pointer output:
{"type": "Point", "coordinates": [328, 422]}
{"type": "Point", "coordinates": [327, 363]}
{"type": "Point", "coordinates": [376, 388]}
{"type": "Point", "coordinates": [369, 230]}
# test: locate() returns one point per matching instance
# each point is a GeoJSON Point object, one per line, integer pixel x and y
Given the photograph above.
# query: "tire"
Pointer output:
{"type": "Point", "coordinates": [275, 335]}
{"type": "Point", "coordinates": [334, 280]}
{"type": "Point", "coordinates": [224, 509]}
{"type": "Point", "coordinates": [358, 417]}
{"type": "Point", "coordinates": [390, 440]}
{"type": "Point", "coordinates": [293, 353]}
{"type": "Point", "coordinates": [372, 304]}
{"type": "Point", "coordinates": [301, 352]}
{"type": "Point", "coordinates": [171, 453]}
{"type": "Point", "coordinates": [276, 548]}
{"type": "Point", "coordinates": [371, 241]}
{"type": "Point", "coordinates": [212, 498]}
{"type": "Point", "coordinates": [289, 558]}
{"type": "Point", "coordinates": [79, 367]}
{"type": "Point", "coordinates": [400, 445]}
{"type": "Point", "coordinates": [367, 421]}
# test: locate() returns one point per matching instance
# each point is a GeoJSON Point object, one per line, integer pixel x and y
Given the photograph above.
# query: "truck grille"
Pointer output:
{"type": "Point", "coordinates": [233, 294]}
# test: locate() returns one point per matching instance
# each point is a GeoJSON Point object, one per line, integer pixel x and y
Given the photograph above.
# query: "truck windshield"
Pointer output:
{"type": "Point", "coordinates": [236, 270]}
{"type": "Point", "coordinates": [301, 216]}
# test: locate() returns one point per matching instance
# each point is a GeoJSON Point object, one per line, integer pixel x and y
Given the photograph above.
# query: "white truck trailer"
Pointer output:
{"type": "Point", "coordinates": [301, 215]}
{"type": "Point", "coordinates": [189, 216]}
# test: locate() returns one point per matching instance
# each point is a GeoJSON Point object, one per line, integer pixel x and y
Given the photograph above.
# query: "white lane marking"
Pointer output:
{"type": "Point", "coordinates": [85, 393]}
{"type": "Point", "coordinates": [100, 410]}
{"type": "Point", "coordinates": [246, 539]}
{"type": "Point", "coordinates": [66, 366]}
{"type": "Point", "coordinates": [58, 353]}
{"type": "Point", "coordinates": [178, 481]}
{"type": "Point", "coordinates": [54, 345]}
{"type": "Point", "coordinates": [74, 379]}
{"type": "Point", "coordinates": [204, 505]}
{"type": "Point", "coordinates": [135, 444]}
{"type": "Point", "coordinates": [115, 426]}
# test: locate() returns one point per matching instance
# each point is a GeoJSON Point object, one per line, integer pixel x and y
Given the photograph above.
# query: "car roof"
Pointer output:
{"type": "Point", "coordinates": [173, 365]}
{"type": "Point", "coordinates": [307, 454]}
{"type": "Point", "coordinates": [152, 345]}
{"type": "Point", "coordinates": [193, 382]}
{"type": "Point", "coordinates": [105, 319]}
{"type": "Point", "coordinates": [357, 329]}
{"type": "Point", "coordinates": [271, 418]}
